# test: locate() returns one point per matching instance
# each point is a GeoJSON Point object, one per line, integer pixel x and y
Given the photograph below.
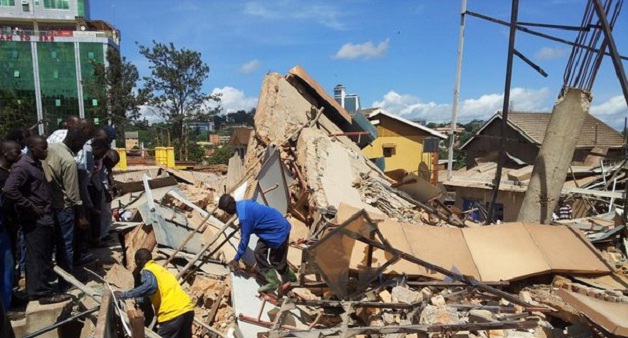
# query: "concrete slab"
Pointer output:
{"type": "Point", "coordinates": [40, 316]}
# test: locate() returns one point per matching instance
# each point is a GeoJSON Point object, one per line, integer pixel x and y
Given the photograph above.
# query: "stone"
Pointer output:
{"type": "Point", "coordinates": [480, 316]}
{"type": "Point", "coordinates": [439, 315]}
{"type": "Point", "coordinates": [438, 300]}
{"type": "Point", "coordinates": [405, 295]}
{"type": "Point", "coordinates": [426, 292]}
{"type": "Point", "coordinates": [525, 296]}
{"type": "Point", "coordinates": [385, 296]}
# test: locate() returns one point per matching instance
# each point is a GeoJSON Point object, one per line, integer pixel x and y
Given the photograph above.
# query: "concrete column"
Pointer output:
{"type": "Point", "coordinates": [552, 163]}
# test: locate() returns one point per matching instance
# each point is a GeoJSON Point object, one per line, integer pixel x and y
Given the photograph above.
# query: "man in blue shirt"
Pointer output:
{"type": "Point", "coordinates": [273, 231]}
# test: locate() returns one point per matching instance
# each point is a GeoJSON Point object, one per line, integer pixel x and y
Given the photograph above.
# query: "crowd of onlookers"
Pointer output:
{"type": "Point", "coordinates": [55, 203]}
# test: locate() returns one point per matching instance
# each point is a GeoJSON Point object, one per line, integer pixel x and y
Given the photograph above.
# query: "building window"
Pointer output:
{"type": "Point", "coordinates": [55, 73]}
{"type": "Point", "coordinates": [94, 102]}
{"type": "Point", "coordinates": [58, 102]}
{"type": "Point", "coordinates": [14, 54]}
{"type": "Point", "coordinates": [26, 7]}
{"type": "Point", "coordinates": [389, 149]}
{"type": "Point", "coordinates": [53, 54]}
{"type": "Point", "coordinates": [90, 55]}
{"type": "Point", "coordinates": [16, 73]}
{"type": "Point", "coordinates": [96, 120]}
{"type": "Point", "coordinates": [57, 4]}
{"type": "Point", "coordinates": [7, 2]}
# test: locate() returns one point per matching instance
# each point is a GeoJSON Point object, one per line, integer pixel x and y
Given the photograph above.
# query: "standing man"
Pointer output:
{"type": "Point", "coordinates": [273, 231]}
{"type": "Point", "coordinates": [564, 210]}
{"type": "Point", "coordinates": [29, 192]}
{"type": "Point", "coordinates": [67, 206]}
{"type": "Point", "coordinates": [173, 307]}
{"type": "Point", "coordinates": [10, 152]}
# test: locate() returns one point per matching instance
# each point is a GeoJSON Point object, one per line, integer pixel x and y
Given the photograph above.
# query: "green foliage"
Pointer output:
{"type": "Point", "coordinates": [175, 87]}
{"type": "Point", "coordinates": [113, 87]}
{"type": "Point", "coordinates": [14, 114]}
{"type": "Point", "coordinates": [221, 155]}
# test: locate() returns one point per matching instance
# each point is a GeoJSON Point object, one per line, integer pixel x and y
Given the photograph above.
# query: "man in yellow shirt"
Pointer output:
{"type": "Point", "coordinates": [173, 307]}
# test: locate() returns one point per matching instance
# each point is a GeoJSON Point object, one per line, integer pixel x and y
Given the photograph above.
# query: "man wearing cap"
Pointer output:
{"type": "Point", "coordinates": [273, 231]}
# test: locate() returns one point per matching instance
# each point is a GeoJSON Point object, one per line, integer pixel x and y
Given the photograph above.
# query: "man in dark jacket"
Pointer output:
{"type": "Point", "coordinates": [29, 192]}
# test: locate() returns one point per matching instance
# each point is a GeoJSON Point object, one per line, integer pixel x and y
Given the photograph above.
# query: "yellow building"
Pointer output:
{"type": "Point", "coordinates": [403, 144]}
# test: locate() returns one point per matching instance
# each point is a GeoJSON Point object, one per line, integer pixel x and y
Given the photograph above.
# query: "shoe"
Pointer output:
{"type": "Point", "coordinates": [85, 259]}
{"type": "Point", "coordinates": [289, 277]}
{"type": "Point", "coordinates": [58, 298]}
{"type": "Point", "coordinates": [272, 283]}
{"type": "Point", "coordinates": [106, 238]}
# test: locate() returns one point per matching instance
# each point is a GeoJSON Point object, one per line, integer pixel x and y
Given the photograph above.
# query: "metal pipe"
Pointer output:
{"type": "Point", "coordinates": [63, 322]}
{"type": "Point", "coordinates": [502, 146]}
{"type": "Point", "coordinates": [205, 248]}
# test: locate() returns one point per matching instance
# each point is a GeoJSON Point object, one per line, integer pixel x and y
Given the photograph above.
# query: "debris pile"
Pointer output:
{"type": "Point", "coordinates": [376, 256]}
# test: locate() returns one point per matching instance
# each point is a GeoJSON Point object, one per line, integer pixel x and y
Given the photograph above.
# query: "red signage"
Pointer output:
{"type": "Point", "coordinates": [40, 38]}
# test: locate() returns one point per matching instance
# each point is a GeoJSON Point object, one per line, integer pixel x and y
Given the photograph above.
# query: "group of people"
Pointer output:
{"type": "Point", "coordinates": [55, 196]}
{"type": "Point", "coordinates": [61, 188]}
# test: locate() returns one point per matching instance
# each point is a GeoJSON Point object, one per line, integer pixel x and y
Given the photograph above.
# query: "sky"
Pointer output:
{"type": "Point", "coordinates": [400, 55]}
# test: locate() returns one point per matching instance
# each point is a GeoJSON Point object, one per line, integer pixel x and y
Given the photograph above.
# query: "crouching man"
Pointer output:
{"type": "Point", "coordinates": [173, 307]}
{"type": "Point", "coordinates": [273, 231]}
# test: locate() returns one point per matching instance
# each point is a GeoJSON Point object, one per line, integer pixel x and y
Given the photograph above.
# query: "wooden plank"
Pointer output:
{"type": "Point", "coordinates": [136, 321]}
{"type": "Point", "coordinates": [105, 323]}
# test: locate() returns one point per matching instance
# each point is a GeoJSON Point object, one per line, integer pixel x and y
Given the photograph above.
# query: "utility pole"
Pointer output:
{"type": "Point", "coordinates": [454, 110]}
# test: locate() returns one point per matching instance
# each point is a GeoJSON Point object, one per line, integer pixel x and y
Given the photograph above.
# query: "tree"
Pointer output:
{"type": "Point", "coordinates": [175, 87]}
{"type": "Point", "coordinates": [113, 86]}
{"type": "Point", "coordinates": [15, 113]}
{"type": "Point", "coordinates": [221, 155]}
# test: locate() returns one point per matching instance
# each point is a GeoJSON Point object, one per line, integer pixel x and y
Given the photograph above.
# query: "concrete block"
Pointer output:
{"type": "Point", "coordinates": [405, 295]}
{"type": "Point", "coordinates": [481, 316]}
{"type": "Point", "coordinates": [40, 316]}
{"type": "Point", "coordinates": [438, 300]}
{"type": "Point", "coordinates": [439, 315]}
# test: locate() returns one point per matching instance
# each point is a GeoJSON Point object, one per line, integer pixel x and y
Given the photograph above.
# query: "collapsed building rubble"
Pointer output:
{"type": "Point", "coordinates": [377, 256]}
{"type": "Point", "coordinates": [374, 258]}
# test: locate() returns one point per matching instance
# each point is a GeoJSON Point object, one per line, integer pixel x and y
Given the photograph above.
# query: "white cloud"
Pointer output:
{"type": "Point", "coordinates": [412, 107]}
{"type": "Point", "coordinates": [613, 111]}
{"type": "Point", "coordinates": [233, 99]}
{"type": "Point", "coordinates": [616, 105]}
{"type": "Point", "coordinates": [250, 66]}
{"type": "Point", "coordinates": [366, 50]}
{"type": "Point", "coordinates": [324, 15]}
{"type": "Point", "coordinates": [549, 53]}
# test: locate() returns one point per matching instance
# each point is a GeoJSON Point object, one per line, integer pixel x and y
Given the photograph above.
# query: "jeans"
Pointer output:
{"type": "Point", "coordinates": [178, 327]}
{"type": "Point", "coordinates": [6, 269]}
{"type": "Point", "coordinates": [64, 233]}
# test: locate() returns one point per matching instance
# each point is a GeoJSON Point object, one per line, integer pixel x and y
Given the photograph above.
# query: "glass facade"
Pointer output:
{"type": "Point", "coordinates": [66, 45]}
{"type": "Point", "coordinates": [57, 4]}
{"type": "Point", "coordinates": [16, 70]}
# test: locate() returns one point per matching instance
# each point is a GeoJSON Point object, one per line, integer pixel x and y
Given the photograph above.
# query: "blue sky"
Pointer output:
{"type": "Point", "coordinates": [399, 55]}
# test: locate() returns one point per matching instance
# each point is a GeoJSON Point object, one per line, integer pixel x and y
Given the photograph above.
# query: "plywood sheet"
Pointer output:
{"type": "Point", "coordinates": [565, 250]}
{"type": "Point", "coordinates": [445, 247]}
{"type": "Point", "coordinates": [504, 252]}
{"type": "Point", "coordinates": [396, 236]}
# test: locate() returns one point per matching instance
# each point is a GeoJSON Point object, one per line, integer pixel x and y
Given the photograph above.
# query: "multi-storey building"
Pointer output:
{"type": "Point", "coordinates": [47, 52]}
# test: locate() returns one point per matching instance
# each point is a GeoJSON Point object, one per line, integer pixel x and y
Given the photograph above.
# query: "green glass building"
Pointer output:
{"type": "Point", "coordinates": [47, 52]}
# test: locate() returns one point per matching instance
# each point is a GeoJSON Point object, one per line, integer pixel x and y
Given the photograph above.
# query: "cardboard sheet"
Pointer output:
{"type": "Point", "coordinates": [509, 251]}
{"type": "Point", "coordinates": [505, 252]}
{"type": "Point", "coordinates": [565, 249]}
